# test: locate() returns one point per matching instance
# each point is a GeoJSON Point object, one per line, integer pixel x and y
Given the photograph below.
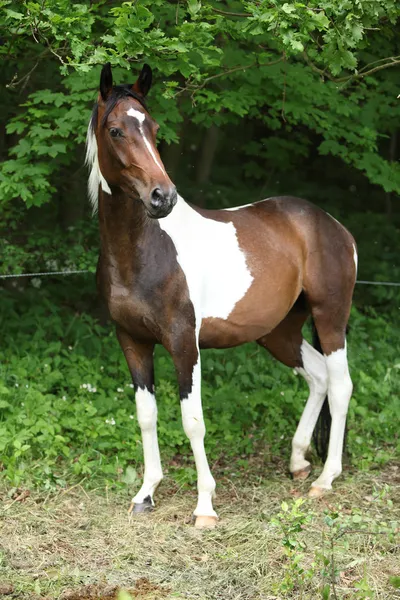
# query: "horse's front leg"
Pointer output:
{"type": "Point", "coordinates": [139, 357]}
{"type": "Point", "coordinates": [186, 357]}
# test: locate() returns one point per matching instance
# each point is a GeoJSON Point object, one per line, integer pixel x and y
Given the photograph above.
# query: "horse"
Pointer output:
{"type": "Point", "coordinates": [190, 278]}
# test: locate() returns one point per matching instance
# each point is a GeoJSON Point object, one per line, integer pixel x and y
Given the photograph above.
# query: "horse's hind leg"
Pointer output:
{"type": "Point", "coordinates": [333, 343]}
{"type": "Point", "coordinates": [286, 344]}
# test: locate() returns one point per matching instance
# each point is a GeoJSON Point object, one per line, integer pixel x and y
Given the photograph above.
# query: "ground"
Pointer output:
{"type": "Point", "coordinates": [78, 543]}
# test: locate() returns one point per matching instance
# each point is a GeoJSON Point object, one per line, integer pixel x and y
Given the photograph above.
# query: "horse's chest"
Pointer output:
{"type": "Point", "coordinates": [129, 310]}
{"type": "Point", "coordinates": [214, 265]}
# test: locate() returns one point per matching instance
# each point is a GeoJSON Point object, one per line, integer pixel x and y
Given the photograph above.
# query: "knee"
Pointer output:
{"type": "Point", "coordinates": [147, 417]}
{"type": "Point", "coordinates": [193, 426]}
{"type": "Point", "coordinates": [321, 381]}
{"type": "Point", "coordinates": [339, 396]}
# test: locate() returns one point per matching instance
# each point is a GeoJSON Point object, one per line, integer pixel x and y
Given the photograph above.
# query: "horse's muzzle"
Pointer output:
{"type": "Point", "coordinates": [162, 202]}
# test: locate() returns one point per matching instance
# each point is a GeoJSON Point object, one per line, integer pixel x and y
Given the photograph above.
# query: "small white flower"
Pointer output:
{"type": "Point", "coordinates": [131, 385]}
{"type": "Point", "coordinates": [282, 393]}
{"type": "Point", "coordinates": [101, 368]}
{"type": "Point", "coordinates": [17, 385]}
{"type": "Point", "coordinates": [69, 347]}
{"type": "Point", "coordinates": [120, 390]}
{"type": "Point", "coordinates": [64, 397]}
{"type": "Point", "coordinates": [131, 417]}
{"type": "Point", "coordinates": [46, 365]}
{"type": "Point", "coordinates": [84, 385]}
{"type": "Point", "coordinates": [26, 385]}
{"type": "Point", "coordinates": [94, 390]}
{"type": "Point", "coordinates": [22, 404]}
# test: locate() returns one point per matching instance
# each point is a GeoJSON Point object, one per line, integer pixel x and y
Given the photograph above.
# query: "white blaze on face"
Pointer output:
{"type": "Point", "coordinates": [209, 254]}
{"type": "Point", "coordinates": [140, 117]}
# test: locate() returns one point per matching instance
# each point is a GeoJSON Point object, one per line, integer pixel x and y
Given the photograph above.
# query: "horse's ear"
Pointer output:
{"type": "Point", "coordinates": [106, 81]}
{"type": "Point", "coordinates": [143, 84]}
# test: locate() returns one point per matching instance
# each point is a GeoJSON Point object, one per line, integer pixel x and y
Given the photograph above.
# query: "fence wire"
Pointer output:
{"type": "Point", "coordinates": [77, 272]}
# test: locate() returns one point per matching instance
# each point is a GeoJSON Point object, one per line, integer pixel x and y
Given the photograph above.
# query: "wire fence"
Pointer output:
{"type": "Point", "coordinates": [77, 272]}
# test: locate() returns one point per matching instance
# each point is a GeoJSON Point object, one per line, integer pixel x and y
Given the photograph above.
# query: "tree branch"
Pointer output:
{"type": "Point", "coordinates": [394, 61]}
{"type": "Point", "coordinates": [230, 14]}
{"type": "Point", "coordinates": [195, 88]}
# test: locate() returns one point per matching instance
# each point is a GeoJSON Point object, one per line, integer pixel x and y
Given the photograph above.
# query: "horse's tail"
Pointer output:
{"type": "Point", "coordinates": [323, 426]}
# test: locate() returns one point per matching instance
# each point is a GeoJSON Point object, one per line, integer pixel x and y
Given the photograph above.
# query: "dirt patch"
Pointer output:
{"type": "Point", "coordinates": [143, 589]}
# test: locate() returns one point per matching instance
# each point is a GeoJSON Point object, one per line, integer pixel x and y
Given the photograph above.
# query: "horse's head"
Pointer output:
{"type": "Point", "coordinates": [121, 147]}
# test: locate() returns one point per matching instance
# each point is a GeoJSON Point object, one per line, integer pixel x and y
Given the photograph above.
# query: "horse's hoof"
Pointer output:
{"type": "Point", "coordinates": [301, 474]}
{"type": "Point", "coordinates": [317, 492]}
{"type": "Point", "coordinates": [141, 507]}
{"type": "Point", "coordinates": [206, 522]}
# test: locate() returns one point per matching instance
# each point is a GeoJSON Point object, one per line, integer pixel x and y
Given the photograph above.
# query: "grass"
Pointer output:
{"type": "Point", "coordinates": [77, 543]}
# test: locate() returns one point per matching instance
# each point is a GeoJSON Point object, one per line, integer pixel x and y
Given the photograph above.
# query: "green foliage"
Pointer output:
{"type": "Point", "coordinates": [320, 66]}
{"type": "Point", "coordinates": [339, 527]}
{"type": "Point", "coordinates": [290, 522]}
{"type": "Point", "coordinates": [67, 405]}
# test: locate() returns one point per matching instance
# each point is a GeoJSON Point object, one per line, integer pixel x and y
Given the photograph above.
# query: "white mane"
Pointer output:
{"type": "Point", "coordinates": [95, 176]}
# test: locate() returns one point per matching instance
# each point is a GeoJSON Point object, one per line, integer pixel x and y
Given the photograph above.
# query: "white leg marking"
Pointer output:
{"type": "Point", "coordinates": [339, 393]}
{"type": "Point", "coordinates": [146, 409]}
{"type": "Point", "coordinates": [193, 424]}
{"type": "Point", "coordinates": [315, 373]}
{"type": "Point", "coordinates": [137, 114]}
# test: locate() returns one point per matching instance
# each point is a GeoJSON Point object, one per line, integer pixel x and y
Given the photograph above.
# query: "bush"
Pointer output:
{"type": "Point", "coordinates": [67, 404]}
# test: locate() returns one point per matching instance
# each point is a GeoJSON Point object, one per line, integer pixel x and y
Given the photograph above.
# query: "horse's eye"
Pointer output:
{"type": "Point", "coordinates": [114, 132]}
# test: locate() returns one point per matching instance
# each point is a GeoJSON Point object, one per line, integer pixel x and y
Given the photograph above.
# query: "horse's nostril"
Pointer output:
{"type": "Point", "coordinates": [157, 196]}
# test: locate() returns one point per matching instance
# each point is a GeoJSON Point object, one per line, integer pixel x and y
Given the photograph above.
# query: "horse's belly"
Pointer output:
{"type": "Point", "coordinates": [238, 329]}
{"type": "Point", "coordinates": [261, 309]}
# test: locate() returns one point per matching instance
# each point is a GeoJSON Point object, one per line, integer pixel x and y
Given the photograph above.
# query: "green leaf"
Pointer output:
{"type": "Point", "coordinates": [394, 580]}
{"type": "Point", "coordinates": [130, 476]}
{"type": "Point", "coordinates": [326, 592]}
{"type": "Point", "coordinates": [194, 7]}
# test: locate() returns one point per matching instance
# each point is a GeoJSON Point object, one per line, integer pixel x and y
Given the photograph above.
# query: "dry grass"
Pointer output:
{"type": "Point", "coordinates": [79, 544]}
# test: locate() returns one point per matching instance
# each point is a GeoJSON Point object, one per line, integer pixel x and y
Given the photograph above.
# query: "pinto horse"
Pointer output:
{"type": "Point", "coordinates": [189, 278]}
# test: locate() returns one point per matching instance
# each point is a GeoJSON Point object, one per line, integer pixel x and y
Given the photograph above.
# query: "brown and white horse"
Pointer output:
{"type": "Point", "coordinates": [189, 278]}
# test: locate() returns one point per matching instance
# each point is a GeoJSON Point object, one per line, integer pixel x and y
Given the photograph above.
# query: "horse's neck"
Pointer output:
{"type": "Point", "coordinates": [124, 233]}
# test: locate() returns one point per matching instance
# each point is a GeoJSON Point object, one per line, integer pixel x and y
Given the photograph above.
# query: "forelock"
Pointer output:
{"type": "Point", "coordinates": [120, 92]}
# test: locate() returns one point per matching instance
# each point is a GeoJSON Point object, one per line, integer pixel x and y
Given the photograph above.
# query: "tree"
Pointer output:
{"type": "Point", "coordinates": [294, 77]}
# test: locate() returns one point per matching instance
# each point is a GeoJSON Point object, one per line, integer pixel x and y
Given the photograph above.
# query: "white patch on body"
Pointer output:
{"type": "Point", "coordinates": [146, 409]}
{"type": "Point", "coordinates": [209, 254]}
{"type": "Point", "coordinates": [137, 114]}
{"type": "Point", "coordinates": [355, 257]}
{"type": "Point", "coordinates": [339, 392]}
{"type": "Point", "coordinates": [315, 373]}
{"type": "Point", "coordinates": [95, 177]}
